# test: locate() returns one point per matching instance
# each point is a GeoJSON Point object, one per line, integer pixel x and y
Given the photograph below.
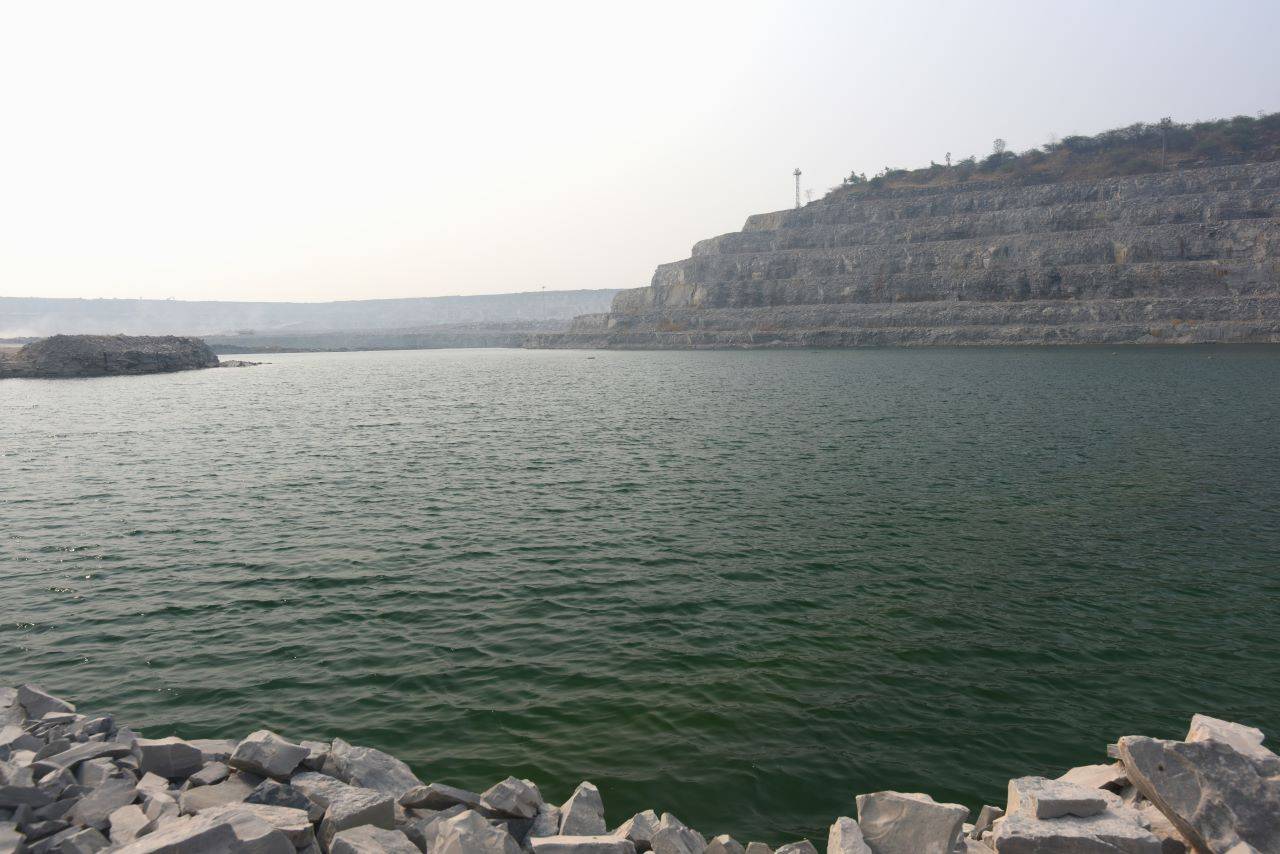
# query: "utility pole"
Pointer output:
{"type": "Point", "coordinates": [797, 174]}
{"type": "Point", "coordinates": [1164, 139]}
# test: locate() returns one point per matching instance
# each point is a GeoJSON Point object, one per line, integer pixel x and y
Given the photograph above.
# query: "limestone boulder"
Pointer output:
{"type": "Point", "coordinates": [37, 702]}
{"type": "Point", "coordinates": [214, 749]}
{"type": "Point", "coordinates": [201, 834]}
{"type": "Point", "coordinates": [235, 789]}
{"type": "Point", "coordinates": [725, 844]}
{"type": "Point", "coordinates": [758, 848]}
{"type": "Point", "coordinates": [640, 829]}
{"type": "Point", "coordinates": [1042, 798]}
{"type": "Point", "coordinates": [845, 837]}
{"type": "Point", "coordinates": [276, 794]}
{"type": "Point", "coordinates": [78, 841]}
{"type": "Point", "coordinates": [423, 826]}
{"type": "Point", "coordinates": [438, 796]}
{"type": "Point", "coordinates": [1217, 797]}
{"type": "Point", "coordinates": [673, 837]}
{"type": "Point", "coordinates": [588, 844]}
{"type": "Point", "coordinates": [547, 822]}
{"type": "Point", "coordinates": [293, 823]}
{"type": "Point", "coordinates": [268, 755]}
{"type": "Point", "coordinates": [804, 846]}
{"type": "Point", "coordinates": [371, 769]}
{"type": "Point", "coordinates": [371, 840]}
{"type": "Point", "coordinates": [168, 757]}
{"type": "Point", "coordinates": [909, 823]}
{"type": "Point", "coordinates": [982, 824]}
{"type": "Point", "coordinates": [95, 809]}
{"type": "Point", "coordinates": [1243, 739]}
{"type": "Point", "coordinates": [1171, 841]}
{"type": "Point", "coordinates": [469, 833]}
{"type": "Point", "coordinates": [127, 824]}
{"type": "Point", "coordinates": [1108, 776]}
{"type": "Point", "coordinates": [1116, 830]}
{"type": "Point", "coordinates": [352, 806]}
{"type": "Point", "coordinates": [583, 813]}
{"type": "Point", "coordinates": [512, 797]}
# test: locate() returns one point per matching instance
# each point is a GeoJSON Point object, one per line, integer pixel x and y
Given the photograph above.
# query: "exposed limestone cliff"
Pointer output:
{"type": "Point", "coordinates": [64, 356]}
{"type": "Point", "coordinates": [1174, 257]}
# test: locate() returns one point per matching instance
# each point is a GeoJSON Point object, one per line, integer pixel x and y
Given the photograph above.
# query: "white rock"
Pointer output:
{"type": "Point", "coordinates": [267, 754]}
{"type": "Point", "coordinates": [352, 806]}
{"type": "Point", "coordinates": [422, 830]}
{"type": "Point", "coordinates": [585, 844]}
{"type": "Point", "coordinates": [469, 833]}
{"type": "Point", "coordinates": [1110, 777]}
{"type": "Point", "coordinates": [1243, 739]}
{"type": "Point", "coordinates": [512, 797]}
{"type": "Point", "coordinates": [209, 775]}
{"type": "Point", "coordinates": [153, 783]}
{"type": "Point", "coordinates": [214, 749]}
{"type": "Point", "coordinates": [1114, 831]}
{"type": "Point", "coordinates": [673, 837]}
{"type": "Point", "coordinates": [804, 846]}
{"type": "Point", "coordinates": [86, 841]}
{"type": "Point", "coordinates": [640, 829]}
{"type": "Point", "coordinates": [207, 835]}
{"type": "Point", "coordinates": [293, 823]}
{"type": "Point", "coordinates": [371, 840]}
{"type": "Point", "coordinates": [583, 813]}
{"type": "Point", "coordinates": [95, 809]}
{"type": "Point", "coordinates": [1171, 841]}
{"type": "Point", "coordinates": [909, 823]}
{"type": "Point", "coordinates": [758, 848]}
{"type": "Point", "coordinates": [316, 786]}
{"type": "Point", "coordinates": [845, 837]}
{"type": "Point", "coordinates": [317, 753]}
{"type": "Point", "coordinates": [127, 824]}
{"type": "Point", "coordinates": [438, 796]}
{"type": "Point", "coordinates": [546, 822]}
{"type": "Point", "coordinates": [986, 816]}
{"type": "Point", "coordinates": [1041, 798]}
{"type": "Point", "coordinates": [1215, 796]}
{"type": "Point", "coordinates": [39, 703]}
{"type": "Point", "coordinates": [168, 757]}
{"type": "Point", "coordinates": [233, 790]}
{"type": "Point", "coordinates": [724, 844]}
{"type": "Point", "coordinates": [372, 769]}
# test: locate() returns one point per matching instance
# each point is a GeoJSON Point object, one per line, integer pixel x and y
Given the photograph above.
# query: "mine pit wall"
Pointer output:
{"type": "Point", "coordinates": [1179, 257]}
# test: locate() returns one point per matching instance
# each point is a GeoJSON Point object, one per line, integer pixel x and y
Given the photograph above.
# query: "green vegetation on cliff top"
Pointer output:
{"type": "Point", "coordinates": [1134, 150]}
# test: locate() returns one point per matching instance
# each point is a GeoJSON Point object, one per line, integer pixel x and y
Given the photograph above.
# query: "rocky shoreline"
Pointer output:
{"type": "Point", "coordinates": [74, 783]}
{"type": "Point", "coordinates": [71, 356]}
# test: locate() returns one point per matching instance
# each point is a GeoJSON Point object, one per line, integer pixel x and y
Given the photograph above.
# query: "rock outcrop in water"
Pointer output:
{"type": "Point", "coordinates": [63, 356]}
{"type": "Point", "coordinates": [75, 784]}
{"type": "Point", "coordinates": [1174, 257]}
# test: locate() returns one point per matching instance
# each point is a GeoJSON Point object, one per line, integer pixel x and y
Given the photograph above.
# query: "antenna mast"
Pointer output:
{"type": "Point", "coordinates": [797, 174]}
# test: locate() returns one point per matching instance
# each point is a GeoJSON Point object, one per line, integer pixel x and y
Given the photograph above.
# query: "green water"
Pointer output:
{"type": "Point", "coordinates": [742, 587]}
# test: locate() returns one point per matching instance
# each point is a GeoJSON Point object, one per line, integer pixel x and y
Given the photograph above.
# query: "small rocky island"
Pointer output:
{"type": "Point", "coordinates": [63, 356]}
{"type": "Point", "coordinates": [75, 784]}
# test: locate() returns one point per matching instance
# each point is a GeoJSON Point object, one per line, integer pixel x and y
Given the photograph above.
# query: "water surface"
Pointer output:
{"type": "Point", "coordinates": [740, 586]}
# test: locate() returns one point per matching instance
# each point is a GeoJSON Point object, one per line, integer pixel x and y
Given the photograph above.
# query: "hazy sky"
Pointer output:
{"type": "Point", "coordinates": [312, 150]}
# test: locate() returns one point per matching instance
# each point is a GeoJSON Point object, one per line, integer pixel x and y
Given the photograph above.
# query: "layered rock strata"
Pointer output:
{"type": "Point", "coordinates": [76, 784]}
{"type": "Point", "coordinates": [1179, 257]}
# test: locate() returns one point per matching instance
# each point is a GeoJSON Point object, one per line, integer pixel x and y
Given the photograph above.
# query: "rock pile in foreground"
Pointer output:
{"type": "Point", "coordinates": [75, 784]}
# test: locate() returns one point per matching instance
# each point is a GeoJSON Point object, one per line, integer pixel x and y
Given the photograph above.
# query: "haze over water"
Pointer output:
{"type": "Point", "coordinates": [740, 586]}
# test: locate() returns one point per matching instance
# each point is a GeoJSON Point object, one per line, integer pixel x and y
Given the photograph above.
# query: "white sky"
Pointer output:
{"type": "Point", "coordinates": [312, 150]}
